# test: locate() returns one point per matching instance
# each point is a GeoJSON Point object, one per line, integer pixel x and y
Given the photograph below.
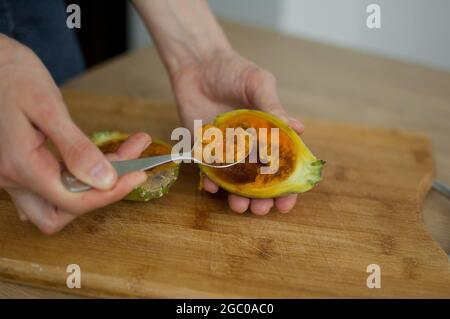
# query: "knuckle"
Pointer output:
{"type": "Point", "coordinates": [268, 77]}
{"type": "Point", "coordinates": [46, 113]}
{"type": "Point", "coordinates": [254, 74]}
{"type": "Point", "coordinates": [258, 78]}
{"type": "Point", "coordinates": [261, 76]}
{"type": "Point", "coordinates": [48, 106]}
{"type": "Point", "coordinates": [78, 150]}
{"type": "Point", "coordinates": [50, 225]}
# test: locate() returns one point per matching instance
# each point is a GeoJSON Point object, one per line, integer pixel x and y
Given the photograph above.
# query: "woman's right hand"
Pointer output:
{"type": "Point", "coordinates": [32, 110]}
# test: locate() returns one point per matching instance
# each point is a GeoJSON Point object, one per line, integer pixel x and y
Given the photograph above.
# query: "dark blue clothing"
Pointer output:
{"type": "Point", "coordinates": [41, 25]}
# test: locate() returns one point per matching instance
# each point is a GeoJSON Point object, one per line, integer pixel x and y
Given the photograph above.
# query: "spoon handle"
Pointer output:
{"type": "Point", "coordinates": [122, 167]}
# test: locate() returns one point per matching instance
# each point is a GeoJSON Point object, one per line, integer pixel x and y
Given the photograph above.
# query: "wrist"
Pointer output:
{"type": "Point", "coordinates": [185, 32]}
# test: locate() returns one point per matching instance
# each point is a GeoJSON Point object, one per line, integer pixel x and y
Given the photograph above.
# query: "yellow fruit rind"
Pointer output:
{"type": "Point", "coordinates": [305, 174]}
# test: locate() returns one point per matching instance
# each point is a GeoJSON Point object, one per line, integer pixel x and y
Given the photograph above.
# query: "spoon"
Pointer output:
{"type": "Point", "coordinates": [141, 164]}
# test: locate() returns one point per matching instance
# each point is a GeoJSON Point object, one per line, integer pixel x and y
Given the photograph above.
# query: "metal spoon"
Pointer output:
{"type": "Point", "coordinates": [141, 164]}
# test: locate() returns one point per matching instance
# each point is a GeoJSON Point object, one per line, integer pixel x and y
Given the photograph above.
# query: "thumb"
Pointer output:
{"type": "Point", "coordinates": [261, 93]}
{"type": "Point", "coordinates": [82, 158]}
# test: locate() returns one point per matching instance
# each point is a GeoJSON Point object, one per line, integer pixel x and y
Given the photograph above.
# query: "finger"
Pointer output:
{"type": "Point", "coordinates": [43, 177]}
{"type": "Point", "coordinates": [237, 203]}
{"type": "Point", "coordinates": [131, 148]}
{"type": "Point", "coordinates": [81, 156]}
{"type": "Point", "coordinates": [84, 202]}
{"type": "Point", "coordinates": [285, 203]}
{"type": "Point", "coordinates": [262, 93]}
{"type": "Point", "coordinates": [296, 125]}
{"type": "Point", "coordinates": [36, 168]}
{"type": "Point", "coordinates": [41, 213]}
{"type": "Point", "coordinates": [210, 186]}
{"type": "Point", "coordinates": [22, 216]}
{"type": "Point", "coordinates": [261, 206]}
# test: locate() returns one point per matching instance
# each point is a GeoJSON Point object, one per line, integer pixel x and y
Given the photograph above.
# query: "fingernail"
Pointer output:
{"type": "Point", "coordinates": [147, 144]}
{"type": "Point", "coordinates": [103, 175]}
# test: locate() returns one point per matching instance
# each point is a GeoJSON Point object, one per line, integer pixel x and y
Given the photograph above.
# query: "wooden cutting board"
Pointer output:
{"type": "Point", "coordinates": [189, 244]}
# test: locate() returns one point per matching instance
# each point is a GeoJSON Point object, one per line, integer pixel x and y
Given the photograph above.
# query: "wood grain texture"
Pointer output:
{"type": "Point", "coordinates": [321, 81]}
{"type": "Point", "coordinates": [188, 243]}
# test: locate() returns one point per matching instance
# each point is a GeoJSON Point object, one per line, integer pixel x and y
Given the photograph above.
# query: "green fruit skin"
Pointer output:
{"type": "Point", "coordinates": [142, 194]}
{"type": "Point", "coordinates": [145, 191]}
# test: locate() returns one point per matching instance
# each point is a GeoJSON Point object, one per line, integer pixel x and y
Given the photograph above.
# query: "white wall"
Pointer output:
{"type": "Point", "coordinates": [138, 36]}
{"type": "Point", "coordinates": [412, 30]}
{"type": "Point", "coordinates": [256, 12]}
{"type": "Point", "coordinates": [264, 13]}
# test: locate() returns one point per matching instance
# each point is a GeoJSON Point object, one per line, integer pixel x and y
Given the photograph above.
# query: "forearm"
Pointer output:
{"type": "Point", "coordinates": [184, 31]}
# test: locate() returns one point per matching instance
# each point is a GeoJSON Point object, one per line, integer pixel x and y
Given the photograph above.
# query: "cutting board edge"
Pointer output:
{"type": "Point", "coordinates": [423, 189]}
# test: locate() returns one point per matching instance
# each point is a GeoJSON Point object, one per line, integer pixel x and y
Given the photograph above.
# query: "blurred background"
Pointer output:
{"type": "Point", "coordinates": [411, 30]}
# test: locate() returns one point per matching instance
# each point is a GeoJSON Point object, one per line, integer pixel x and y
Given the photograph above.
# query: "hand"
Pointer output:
{"type": "Point", "coordinates": [32, 109]}
{"type": "Point", "coordinates": [208, 87]}
{"type": "Point", "coordinates": [208, 76]}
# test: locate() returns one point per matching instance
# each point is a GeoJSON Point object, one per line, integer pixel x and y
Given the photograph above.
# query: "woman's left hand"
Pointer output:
{"type": "Point", "coordinates": [220, 83]}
